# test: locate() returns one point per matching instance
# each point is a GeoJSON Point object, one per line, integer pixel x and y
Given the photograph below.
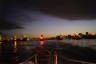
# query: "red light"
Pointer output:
{"type": "Point", "coordinates": [41, 38]}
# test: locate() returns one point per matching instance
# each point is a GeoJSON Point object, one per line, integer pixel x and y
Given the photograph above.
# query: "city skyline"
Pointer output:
{"type": "Point", "coordinates": [20, 35]}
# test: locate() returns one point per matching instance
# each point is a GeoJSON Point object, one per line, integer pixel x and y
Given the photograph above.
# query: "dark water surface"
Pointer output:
{"type": "Point", "coordinates": [15, 52]}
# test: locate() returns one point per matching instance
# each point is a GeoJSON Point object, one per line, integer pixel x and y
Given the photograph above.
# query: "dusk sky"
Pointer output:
{"type": "Point", "coordinates": [48, 17]}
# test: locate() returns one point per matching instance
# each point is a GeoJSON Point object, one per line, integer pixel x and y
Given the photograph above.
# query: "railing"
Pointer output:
{"type": "Point", "coordinates": [54, 60]}
{"type": "Point", "coordinates": [34, 59]}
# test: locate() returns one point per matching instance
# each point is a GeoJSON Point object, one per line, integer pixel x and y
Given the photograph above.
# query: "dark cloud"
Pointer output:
{"type": "Point", "coordinates": [6, 25]}
{"type": "Point", "coordinates": [67, 9]}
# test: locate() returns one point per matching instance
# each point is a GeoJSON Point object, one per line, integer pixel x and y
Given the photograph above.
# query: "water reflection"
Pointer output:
{"type": "Point", "coordinates": [15, 46]}
{"type": "Point", "coordinates": [8, 52]}
{"type": "Point", "coordinates": [41, 43]}
{"type": "Point", "coordinates": [47, 50]}
{"type": "Point", "coordinates": [55, 58]}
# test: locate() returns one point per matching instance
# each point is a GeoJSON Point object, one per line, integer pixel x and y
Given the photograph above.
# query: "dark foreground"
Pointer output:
{"type": "Point", "coordinates": [45, 52]}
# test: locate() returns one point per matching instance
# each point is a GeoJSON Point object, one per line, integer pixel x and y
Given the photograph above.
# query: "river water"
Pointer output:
{"type": "Point", "coordinates": [18, 51]}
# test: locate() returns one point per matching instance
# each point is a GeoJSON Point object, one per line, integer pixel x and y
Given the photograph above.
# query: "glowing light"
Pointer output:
{"type": "Point", "coordinates": [55, 59]}
{"type": "Point", "coordinates": [24, 36]}
{"type": "Point", "coordinates": [15, 39]}
{"type": "Point", "coordinates": [15, 44]}
{"type": "Point", "coordinates": [41, 38]}
{"type": "Point", "coordinates": [65, 34]}
{"type": "Point", "coordinates": [93, 34]}
{"type": "Point", "coordinates": [28, 39]}
{"type": "Point", "coordinates": [0, 37]}
{"type": "Point", "coordinates": [72, 35]}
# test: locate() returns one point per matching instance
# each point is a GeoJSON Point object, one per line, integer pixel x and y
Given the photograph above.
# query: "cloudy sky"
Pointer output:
{"type": "Point", "coordinates": [51, 17]}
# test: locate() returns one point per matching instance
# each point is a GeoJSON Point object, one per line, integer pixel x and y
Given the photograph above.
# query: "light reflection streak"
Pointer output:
{"type": "Point", "coordinates": [15, 46]}
{"type": "Point", "coordinates": [41, 43]}
{"type": "Point", "coordinates": [55, 58]}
